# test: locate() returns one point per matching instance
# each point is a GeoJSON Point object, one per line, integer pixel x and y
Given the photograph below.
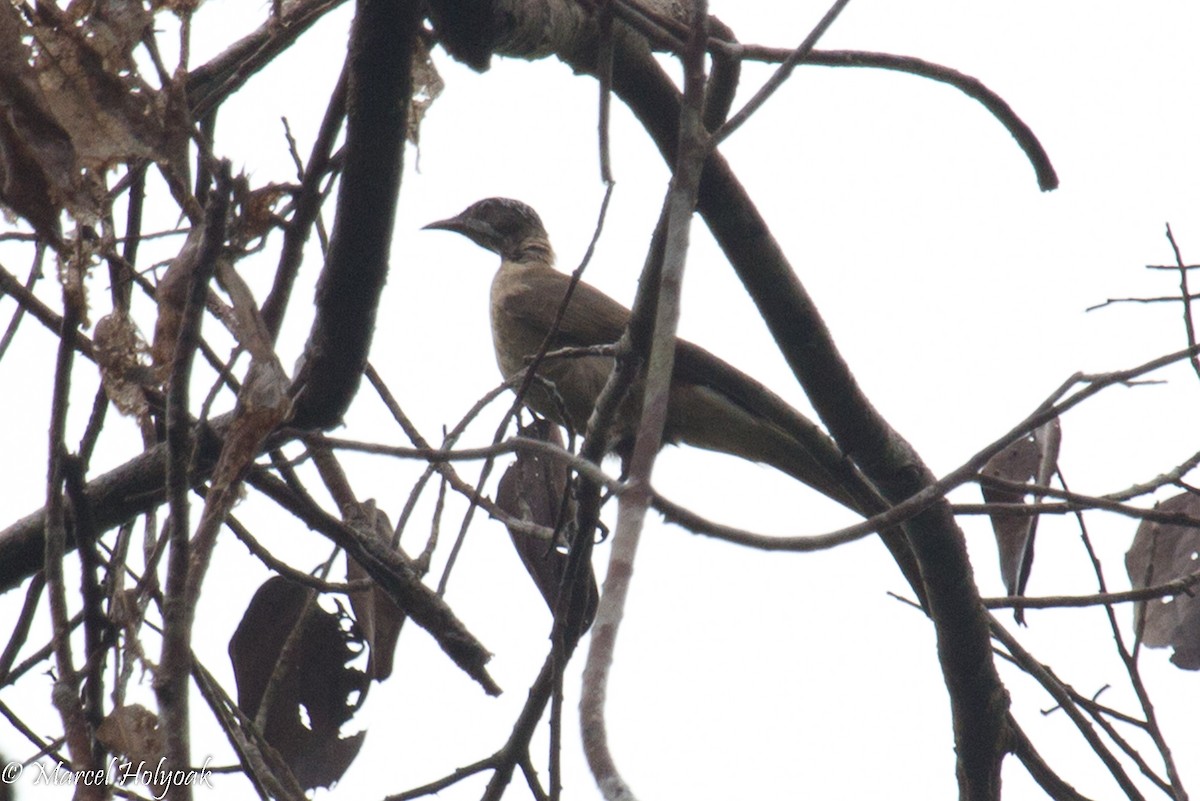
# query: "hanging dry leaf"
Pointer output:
{"type": "Point", "coordinates": [263, 405]}
{"type": "Point", "coordinates": [132, 731]}
{"type": "Point", "coordinates": [311, 694]}
{"type": "Point", "coordinates": [91, 86]}
{"type": "Point", "coordinates": [1163, 552]}
{"type": "Point", "coordinates": [171, 296]}
{"type": "Point", "coordinates": [1033, 459]}
{"type": "Point", "coordinates": [243, 317]}
{"type": "Point", "coordinates": [72, 105]}
{"type": "Point", "coordinates": [37, 158]}
{"type": "Point", "coordinates": [427, 85]}
{"type": "Point", "coordinates": [532, 489]}
{"type": "Point", "coordinates": [377, 616]}
{"type": "Point", "coordinates": [255, 211]}
{"type": "Point", "coordinates": [122, 355]}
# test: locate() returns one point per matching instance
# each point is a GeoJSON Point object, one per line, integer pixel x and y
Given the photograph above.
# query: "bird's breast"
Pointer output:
{"type": "Point", "coordinates": [514, 338]}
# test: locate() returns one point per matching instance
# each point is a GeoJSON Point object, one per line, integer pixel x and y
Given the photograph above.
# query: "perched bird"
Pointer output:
{"type": "Point", "coordinates": [712, 404]}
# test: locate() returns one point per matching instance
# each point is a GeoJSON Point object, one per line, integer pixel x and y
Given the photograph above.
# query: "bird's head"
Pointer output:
{"type": "Point", "coordinates": [504, 226]}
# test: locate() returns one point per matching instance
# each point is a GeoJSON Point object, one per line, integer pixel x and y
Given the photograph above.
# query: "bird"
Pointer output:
{"type": "Point", "coordinates": [712, 405]}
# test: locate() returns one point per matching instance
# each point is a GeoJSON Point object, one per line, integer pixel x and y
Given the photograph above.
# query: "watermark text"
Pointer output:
{"type": "Point", "coordinates": [156, 778]}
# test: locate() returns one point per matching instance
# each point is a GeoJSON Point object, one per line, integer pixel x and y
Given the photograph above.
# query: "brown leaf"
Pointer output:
{"type": "Point", "coordinates": [91, 86]}
{"type": "Point", "coordinates": [243, 316]}
{"type": "Point", "coordinates": [171, 297]}
{"type": "Point", "coordinates": [263, 405]}
{"type": "Point", "coordinates": [314, 680]}
{"type": "Point", "coordinates": [1163, 552]}
{"type": "Point", "coordinates": [400, 578]}
{"type": "Point", "coordinates": [1033, 459]}
{"type": "Point", "coordinates": [427, 86]}
{"type": "Point", "coordinates": [532, 489]}
{"type": "Point", "coordinates": [72, 105]}
{"type": "Point", "coordinates": [255, 210]}
{"type": "Point", "coordinates": [37, 158]}
{"type": "Point", "coordinates": [121, 353]}
{"type": "Point", "coordinates": [132, 731]}
{"type": "Point", "coordinates": [376, 614]}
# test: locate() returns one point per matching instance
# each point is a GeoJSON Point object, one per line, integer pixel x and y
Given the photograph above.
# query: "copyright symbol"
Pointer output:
{"type": "Point", "coordinates": [11, 772]}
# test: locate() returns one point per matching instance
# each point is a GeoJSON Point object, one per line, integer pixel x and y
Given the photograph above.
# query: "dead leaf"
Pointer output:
{"type": "Point", "coordinates": [376, 614]}
{"type": "Point", "coordinates": [243, 317]}
{"type": "Point", "coordinates": [132, 731]}
{"type": "Point", "coordinates": [72, 105]}
{"type": "Point", "coordinates": [171, 296]}
{"type": "Point", "coordinates": [255, 211]}
{"type": "Point", "coordinates": [114, 29]}
{"type": "Point", "coordinates": [122, 355]}
{"type": "Point", "coordinates": [1163, 552]}
{"type": "Point", "coordinates": [532, 489]}
{"type": "Point", "coordinates": [315, 682]}
{"type": "Point", "coordinates": [427, 86]}
{"type": "Point", "coordinates": [37, 158]}
{"type": "Point", "coordinates": [1032, 460]}
{"type": "Point", "coordinates": [90, 84]}
{"type": "Point", "coordinates": [263, 405]}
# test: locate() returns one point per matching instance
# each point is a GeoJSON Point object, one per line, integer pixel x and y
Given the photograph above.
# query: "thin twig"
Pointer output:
{"type": "Point", "coordinates": [35, 272]}
{"type": "Point", "coordinates": [66, 686]}
{"type": "Point", "coordinates": [174, 666]}
{"type": "Point", "coordinates": [20, 630]}
{"type": "Point", "coordinates": [780, 75]}
{"type": "Point", "coordinates": [1180, 586]}
{"type": "Point", "coordinates": [1186, 295]}
{"type": "Point", "coordinates": [633, 505]}
{"type": "Point", "coordinates": [1129, 660]}
{"type": "Point", "coordinates": [1058, 691]}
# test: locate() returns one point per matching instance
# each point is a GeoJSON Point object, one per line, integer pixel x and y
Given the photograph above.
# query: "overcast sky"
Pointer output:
{"type": "Point", "coordinates": [956, 290]}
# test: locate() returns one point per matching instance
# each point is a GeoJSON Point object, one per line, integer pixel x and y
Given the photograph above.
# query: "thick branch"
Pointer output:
{"type": "Point", "coordinates": [210, 84]}
{"type": "Point", "coordinates": [978, 700]}
{"type": "Point", "coordinates": [379, 85]}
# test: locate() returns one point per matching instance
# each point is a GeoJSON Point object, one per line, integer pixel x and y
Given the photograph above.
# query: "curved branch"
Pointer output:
{"type": "Point", "coordinates": [972, 87]}
{"type": "Point", "coordinates": [978, 699]}
{"type": "Point", "coordinates": [666, 33]}
{"type": "Point", "coordinates": [378, 90]}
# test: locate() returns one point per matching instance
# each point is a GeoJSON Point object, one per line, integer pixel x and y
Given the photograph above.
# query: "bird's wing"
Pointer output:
{"type": "Point", "coordinates": [592, 318]}
{"type": "Point", "coordinates": [811, 455]}
{"type": "Point", "coordinates": [695, 365]}
{"type": "Point", "coordinates": [816, 459]}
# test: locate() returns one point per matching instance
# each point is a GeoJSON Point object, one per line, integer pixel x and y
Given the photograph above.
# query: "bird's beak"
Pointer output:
{"type": "Point", "coordinates": [479, 232]}
{"type": "Point", "coordinates": [449, 224]}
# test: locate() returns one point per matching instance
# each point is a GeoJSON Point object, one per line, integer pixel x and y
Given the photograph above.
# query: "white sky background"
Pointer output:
{"type": "Point", "coordinates": [955, 289]}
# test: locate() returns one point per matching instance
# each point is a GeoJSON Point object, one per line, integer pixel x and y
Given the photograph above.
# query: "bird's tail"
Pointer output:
{"type": "Point", "coordinates": [751, 422]}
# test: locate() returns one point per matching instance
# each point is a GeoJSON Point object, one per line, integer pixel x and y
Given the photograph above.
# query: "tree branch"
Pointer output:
{"type": "Point", "coordinates": [378, 94]}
